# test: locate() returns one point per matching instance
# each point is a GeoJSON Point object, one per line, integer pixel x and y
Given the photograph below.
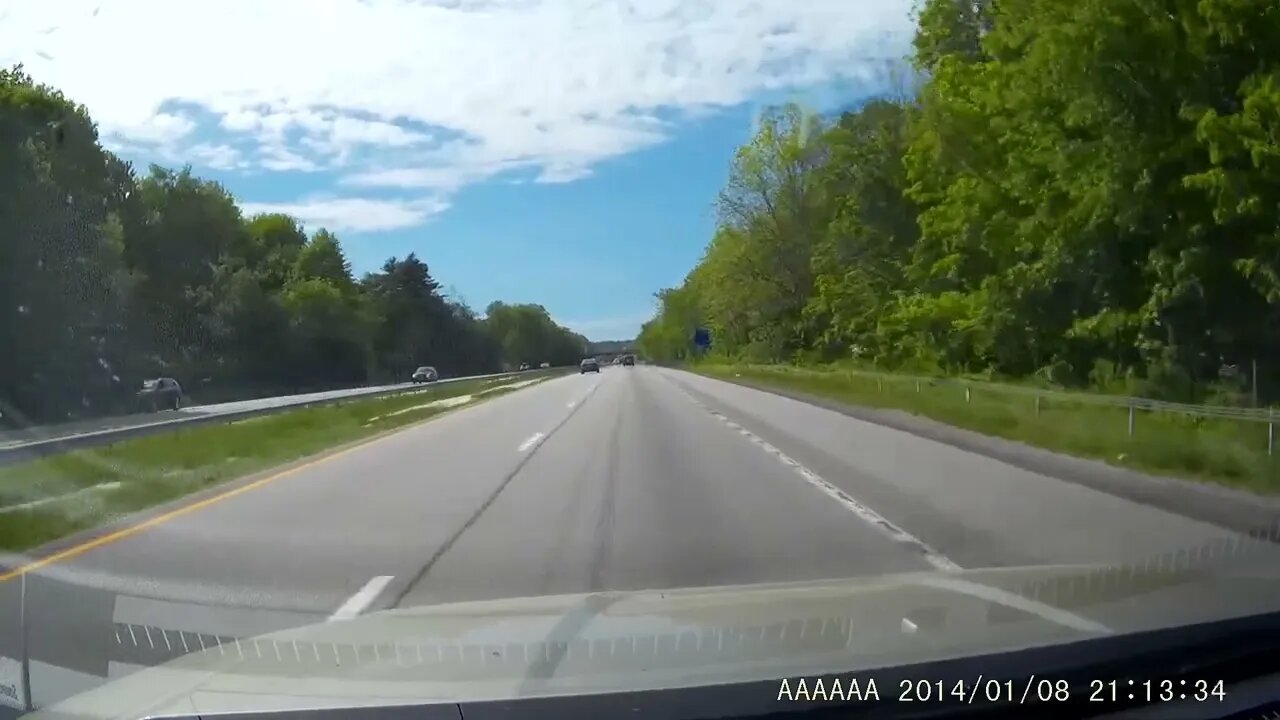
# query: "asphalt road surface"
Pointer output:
{"type": "Point", "coordinates": [634, 478]}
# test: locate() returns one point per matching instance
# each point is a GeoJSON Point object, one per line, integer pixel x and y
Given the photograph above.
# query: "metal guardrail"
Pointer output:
{"type": "Point", "coordinates": [1270, 416]}
{"type": "Point", "coordinates": [96, 438]}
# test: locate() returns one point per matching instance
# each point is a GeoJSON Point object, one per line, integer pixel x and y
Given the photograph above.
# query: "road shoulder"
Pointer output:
{"type": "Point", "coordinates": [1237, 510]}
{"type": "Point", "coordinates": [13, 563]}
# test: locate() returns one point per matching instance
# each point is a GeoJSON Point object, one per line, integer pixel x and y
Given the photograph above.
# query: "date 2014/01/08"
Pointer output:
{"type": "Point", "coordinates": [991, 690]}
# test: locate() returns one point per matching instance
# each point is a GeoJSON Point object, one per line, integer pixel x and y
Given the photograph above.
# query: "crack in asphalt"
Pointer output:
{"type": "Point", "coordinates": [453, 539]}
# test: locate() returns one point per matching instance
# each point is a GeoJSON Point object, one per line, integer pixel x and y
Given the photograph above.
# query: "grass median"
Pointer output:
{"type": "Point", "coordinates": [1228, 452]}
{"type": "Point", "coordinates": [52, 497]}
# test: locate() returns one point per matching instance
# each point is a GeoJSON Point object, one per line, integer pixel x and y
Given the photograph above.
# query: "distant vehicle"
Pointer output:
{"type": "Point", "coordinates": [425, 374]}
{"type": "Point", "coordinates": [524, 366]}
{"type": "Point", "coordinates": [589, 365]}
{"type": "Point", "coordinates": [160, 394]}
{"type": "Point", "coordinates": [545, 365]}
{"type": "Point", "coordinates": [629, 360]}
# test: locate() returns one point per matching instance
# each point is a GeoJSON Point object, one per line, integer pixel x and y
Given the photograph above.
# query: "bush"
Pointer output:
{"type": "Point", "coordinates": [1167, 381]}
{"type": "Point", "coordinates": [1058, 373]}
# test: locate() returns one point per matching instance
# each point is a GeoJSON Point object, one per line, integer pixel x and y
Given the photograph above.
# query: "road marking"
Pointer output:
{"type": "Point", "coordinates": [897, 534]}
{"type": "Point", "coordinates": [442, 402]}
{"type": "Point", "coordinates": [571, 404]}
{"type": "Point", "coordinates": [532, 441]}
{"type": "Point", "coordinates": [77, 550]}
{"type": "Point", "coordinates": [363, 598]}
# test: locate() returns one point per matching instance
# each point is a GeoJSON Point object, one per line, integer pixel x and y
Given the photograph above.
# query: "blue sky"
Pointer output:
{"type": "Point", "coordinates": [562, 152]}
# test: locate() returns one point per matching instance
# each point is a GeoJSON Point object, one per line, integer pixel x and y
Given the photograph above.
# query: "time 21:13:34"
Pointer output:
{"type": "Point", "coordinates": [1148, 690]}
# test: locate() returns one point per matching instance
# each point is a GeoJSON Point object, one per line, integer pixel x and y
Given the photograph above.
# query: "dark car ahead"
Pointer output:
{"type": "Point", "coordinates": [589, 365]}
{"type": "Point", "coordinates": [629, 360]}
{"type": "Point", "coordinates": [160, 394]}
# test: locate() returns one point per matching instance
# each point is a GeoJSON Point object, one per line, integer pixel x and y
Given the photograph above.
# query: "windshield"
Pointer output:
{"type": "Point", "coordinates": [933, 304]}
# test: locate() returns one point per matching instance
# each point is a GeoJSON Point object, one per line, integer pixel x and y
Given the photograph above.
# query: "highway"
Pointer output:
{"type": "Point", "coordinates": [17, 445]}
{"type": "Point", "coordinates": [635, 478]}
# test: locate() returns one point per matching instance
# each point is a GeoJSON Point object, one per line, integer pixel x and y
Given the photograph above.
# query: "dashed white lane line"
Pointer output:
{"type": "Point", "coordinates": [897, 534]}
{"type": "Point", "coordinates": [362, 599]}
{"type": "Point", "coordinates": [533, 440]}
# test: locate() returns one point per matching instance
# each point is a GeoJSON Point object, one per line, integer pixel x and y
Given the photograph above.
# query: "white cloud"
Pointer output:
{"type": "Point", "coordinates": [427, 177]}
{"type": "Point", "coordinates": [216, 156]}
{"type": "Point", "coordinates": [563, 173]}
{"type": "Point", "coordinates": [436, 94]}
{"type": "Point", "coordinates": [278, 158]}
{"type": "Point", "coordinates": [354, 214]}
{"type": "Point", "coordinates": [561, 153]}
{"type": "Point", "coordinates": [157, 128]}
{"type": "Point", "coordinates": [344, 130]}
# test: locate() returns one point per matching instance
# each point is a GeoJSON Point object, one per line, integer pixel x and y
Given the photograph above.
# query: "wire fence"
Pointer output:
{"type": "Point", "coordinates": [1268, 416]}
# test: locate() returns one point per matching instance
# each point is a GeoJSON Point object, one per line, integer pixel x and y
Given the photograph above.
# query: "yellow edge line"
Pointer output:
{"type": "Point", "coordinates": [123, 533]}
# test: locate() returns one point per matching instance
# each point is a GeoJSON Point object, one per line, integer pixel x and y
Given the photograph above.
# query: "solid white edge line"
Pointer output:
{"type": "Point", "coordinates": [362, 599]}
{"type": "Point", "coordinates": [897, 534]}
{"type": "Point", "coordinates": [530, 442]}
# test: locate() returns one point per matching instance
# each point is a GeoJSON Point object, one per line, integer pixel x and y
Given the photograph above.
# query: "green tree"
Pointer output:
{"type": "Point", "coordinates": [106, 278]}
{"type": "Point", "coordinates": [1076, 187]}
{"type": "Point", "coordinates": [859, 264]}
{"type": "Point", "coordinates": [329, 332]}
{"type": "Point", "coordinates": [528, 334]}
{"type": "Point", "coordinates": [254, 334]}
{"type": "Point", "coordinates": [771, 216]}
{"type": "Point", "coordinates": [411, 317]}
{"type": "Point", "coordinates": [322, 258]}
{"type": "Point", "coordinates": [189, 228]}
{"type": "Point", "coordinates": [272, 244]}
{"type": "Point", "coordinates": [62, 274]}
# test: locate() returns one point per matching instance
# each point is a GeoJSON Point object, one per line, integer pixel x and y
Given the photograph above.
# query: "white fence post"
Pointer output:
{"type": "Point", "coordinates": [1040, 396]}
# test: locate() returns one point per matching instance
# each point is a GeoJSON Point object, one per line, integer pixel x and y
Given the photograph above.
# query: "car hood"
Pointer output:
{"type": "Point", "coordinates": [612, 641]}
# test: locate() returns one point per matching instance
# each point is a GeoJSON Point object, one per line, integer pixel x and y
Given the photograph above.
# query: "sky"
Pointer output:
{"type": "Point", "coordinates": [560, 152]}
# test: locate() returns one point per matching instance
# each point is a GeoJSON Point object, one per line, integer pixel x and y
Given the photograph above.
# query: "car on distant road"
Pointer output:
{"type": "Point", "coordinates": [629, 360]}
{"type": "Point", "coordinates": [160, 394]}
{"type": "Point", "coordinates": [425, 374]}
{"type": "Point", "coordinates": [588, 365]}
{"type": "Point", "coordinates": [545, 365]}
{"type": "Point", "coordinates": [524, 366]}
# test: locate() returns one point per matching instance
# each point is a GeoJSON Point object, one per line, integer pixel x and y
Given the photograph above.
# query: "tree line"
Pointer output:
{"type": "Point", "coordinates": [108, 277]}
{"type": "Point", "coordinates": [1083, 192]}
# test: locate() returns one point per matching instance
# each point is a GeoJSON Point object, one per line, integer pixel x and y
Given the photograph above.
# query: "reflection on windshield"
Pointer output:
{"type": "Point", "coordinates": [764, 339]}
